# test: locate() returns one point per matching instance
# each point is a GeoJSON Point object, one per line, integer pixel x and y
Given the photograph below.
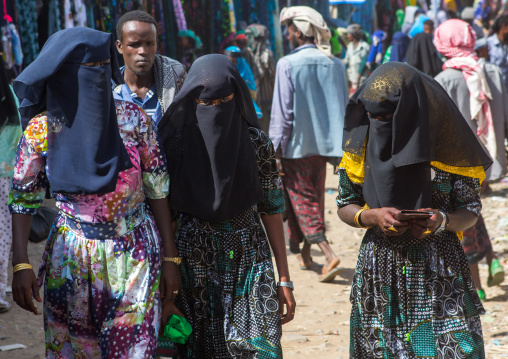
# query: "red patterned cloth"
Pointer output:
{"type": "Point", "coordinates": [304, 183]}
{"type": "Point", "coordinates": [476, 242]}
{"type": "Point", "coordinates": [455, 39]}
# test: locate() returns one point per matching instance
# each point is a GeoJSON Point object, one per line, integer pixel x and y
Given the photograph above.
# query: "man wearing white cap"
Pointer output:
{"type": "Point", "coordinates": [307, 120]}
{"type": "Point", "coordinates": [467, 15]}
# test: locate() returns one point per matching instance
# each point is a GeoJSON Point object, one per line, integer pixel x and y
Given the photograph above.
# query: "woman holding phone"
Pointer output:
{"type": "Point", "coordinates": [405, 149]}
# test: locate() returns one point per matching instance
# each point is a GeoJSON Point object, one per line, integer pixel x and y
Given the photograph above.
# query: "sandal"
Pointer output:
{"type": "Point", "coordinates": [328, 267]}
{"type": "Point", "coordinates": [330, 276]}
{"type": "Point", "coordinates": [496, 273]}
{"type": "Point", "coordinates": [303, 265]}
{"type": "Point", "coordinates": [481, 294]}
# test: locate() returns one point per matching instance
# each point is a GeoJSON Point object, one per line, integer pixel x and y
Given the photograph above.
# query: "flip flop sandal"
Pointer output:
{"type": "Point", "coordinates": [481, 294]}
{"type": "Point", "coordinates": [302, 264]}
{"type": "Point", "coordinates": [330, 276]}
{"type": "Point", "coordinates": [333, 264]}
{"type": "Point", "coordinates": [496, 273]}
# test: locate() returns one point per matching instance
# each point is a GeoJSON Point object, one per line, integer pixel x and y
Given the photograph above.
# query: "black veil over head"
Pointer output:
{"type": "Point", "coordinates": [211, 159]}
{"type": "Point", "coordinates": [85, 150]}
{"type": "Point", "coordinates": [426, 126]}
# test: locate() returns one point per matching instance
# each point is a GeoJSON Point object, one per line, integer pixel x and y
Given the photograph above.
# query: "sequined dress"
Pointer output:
{"type": "Point", "coordinates": [415, 298]}
{"type": "Point", "coordinates": [228, 291]}
{"type": "Point", "coordinates": [102, 259]}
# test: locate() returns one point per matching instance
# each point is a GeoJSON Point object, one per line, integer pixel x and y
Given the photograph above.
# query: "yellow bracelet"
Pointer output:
{"type": "Point", "coordinates": [357, 219]}
{"type": "Point", "coordinates": [21, 266]}
{"type": "Point", "coordinates": [176, 260]}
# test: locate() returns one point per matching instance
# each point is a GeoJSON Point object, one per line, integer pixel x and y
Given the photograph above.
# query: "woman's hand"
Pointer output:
{"type": "Point", "coordinates": [170, 280]}
{"type": "Point", "coordinates": [168, 308]}
{"type": "Point", "coordinates": [384, 219]}
{"type": "Point", "coordinates": [24, 286]}
{"type": "Point", "coordinates": [286, 299]}
{"type": "Point", "coordinates": [430, 225]}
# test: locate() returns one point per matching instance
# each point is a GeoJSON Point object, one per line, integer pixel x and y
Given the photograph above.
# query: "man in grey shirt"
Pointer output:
{"type": "Point", "coordinates": [307, 121]}
{"type": "Point", "coordinates": [498, 46]}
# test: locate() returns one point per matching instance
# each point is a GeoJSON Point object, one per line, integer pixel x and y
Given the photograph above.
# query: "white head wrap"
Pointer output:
{"type": "Point", "coordinates": [310, 23]}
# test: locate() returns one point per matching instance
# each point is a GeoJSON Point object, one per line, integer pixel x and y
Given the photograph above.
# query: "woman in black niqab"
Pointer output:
{"type": "Point", "coordinates": [407, 146]}
{"type": "Point", "coordinates": [426, 126]}
{"type": "Point", "coordinates": [224, 183]}
{"type": "Point", "coordinates": [210, 156]}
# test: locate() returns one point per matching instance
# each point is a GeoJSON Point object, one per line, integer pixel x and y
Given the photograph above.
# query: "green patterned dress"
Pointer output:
{"type": "Point", "coordinates": [415, 298]}
{"type": "Point", "coordinates": [228, 291]}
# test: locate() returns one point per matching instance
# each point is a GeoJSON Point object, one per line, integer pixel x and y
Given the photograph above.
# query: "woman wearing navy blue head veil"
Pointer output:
{"type": "Point", "coordinates": [100, 159]}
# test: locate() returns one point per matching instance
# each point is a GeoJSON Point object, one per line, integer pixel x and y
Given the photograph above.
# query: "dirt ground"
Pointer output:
{"type": "Point", "coordinates": [321, 325]}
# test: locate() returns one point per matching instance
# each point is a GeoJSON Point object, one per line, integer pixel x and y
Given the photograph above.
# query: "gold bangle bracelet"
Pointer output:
{"type": "Point", "coordinates": [176, 260]}
{"type": "Point", "coordinates": [357, 219]}
{"type": "Point", "coordinates": [21, 266]}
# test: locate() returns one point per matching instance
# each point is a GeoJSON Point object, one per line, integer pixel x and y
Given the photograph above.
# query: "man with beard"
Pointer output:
{"type": "Point", "coordinates": [498, 46]}
{"type": "Point", "coordinates": [308, 109]}
{"type": "Point", "coordinates": [151, 80]}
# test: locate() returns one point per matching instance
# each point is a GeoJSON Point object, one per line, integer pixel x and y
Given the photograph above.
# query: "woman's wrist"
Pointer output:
{"type": "Point", "coordinates": [368, 218]}
{"type": "Point", "coordinates": [19, 260]}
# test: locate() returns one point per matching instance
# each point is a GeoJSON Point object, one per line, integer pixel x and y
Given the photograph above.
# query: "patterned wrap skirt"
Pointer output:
{"type": "Point", "coordinates": [101, 288]}
{"type": "Point", "coordinates": [304, 183]}
{"type": "Point", "coordinates": [228, 291]}
{"type": "Point", "coordinates": [476, 242]}
{"type": "Point", "coordinates": [414, 299]}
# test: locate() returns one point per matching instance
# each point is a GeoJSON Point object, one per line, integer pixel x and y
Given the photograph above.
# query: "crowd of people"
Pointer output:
{"type": "Point", "coordinates": [173, 179]}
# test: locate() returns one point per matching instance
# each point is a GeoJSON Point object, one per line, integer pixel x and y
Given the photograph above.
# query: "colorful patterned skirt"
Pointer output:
{"type": "Point", "coordinates": [101, 288]}
{"type": "Point", "coordinates": [414, 299]}
{"type": "Point", "coordinates": [228, 291]}
{"type": "Point", "coordinates": [476, 242]}
{"type": "Point", "coordinates": [304, 183]}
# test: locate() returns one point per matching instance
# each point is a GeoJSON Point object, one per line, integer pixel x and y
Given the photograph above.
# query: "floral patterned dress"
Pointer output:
{"type": "Point", "coordinates": [103, 256]}
{"type": "Point", "coordinates": [228, 291]}
{"type": "Point", "coordinates": [414, 298]}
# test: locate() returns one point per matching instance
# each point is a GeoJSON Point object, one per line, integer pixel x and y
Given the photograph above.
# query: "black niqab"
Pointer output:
{"type": "Point", "coordinates": [422, 54]}
{"type": "Point", "coordinates": [85, 150]}
{"type": "Point", "coordinates": [211, 159]}
{"type": "Point", "coordinates": [426, 126]}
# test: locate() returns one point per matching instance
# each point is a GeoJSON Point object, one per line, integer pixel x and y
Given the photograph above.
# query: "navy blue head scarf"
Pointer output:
{"type": "Point", "coordinates": [85, 150]}
{"type": "Point", "coordinates": [400, 43]}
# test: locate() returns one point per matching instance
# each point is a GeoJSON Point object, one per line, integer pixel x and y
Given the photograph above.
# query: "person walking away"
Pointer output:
{"type": "Point", "coordinates": [477, 89]}
{"type": "Point", "coordinates": [264, 62]}
{"type": "Point", "coordinates": [225, 183]}
{"type": "Point", "coordinates": [150, 80]}
{"type": "Point", "coordinates": [398, 48]}
{"type": "Point", "coordinates": [377, 49]}
{"type": "Point", "coordinates": [110, 260]}
{"type": "Point", "coordinates": [356, 57]}
{"type": "Point", "coordinates": [407, 147]}
{"type": "Point", "coordinates": [307, 119]}
{"type": "Point", "coordinates": [234, 53]}
{"type": "Point", "coordinates": [242, 42]}
{"type": "Point", "coordinates": [498, 46]}
{"type": "Point", "coordinates": [422, 53]}
{"type": "Point", "coordinates": [10, 132]}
